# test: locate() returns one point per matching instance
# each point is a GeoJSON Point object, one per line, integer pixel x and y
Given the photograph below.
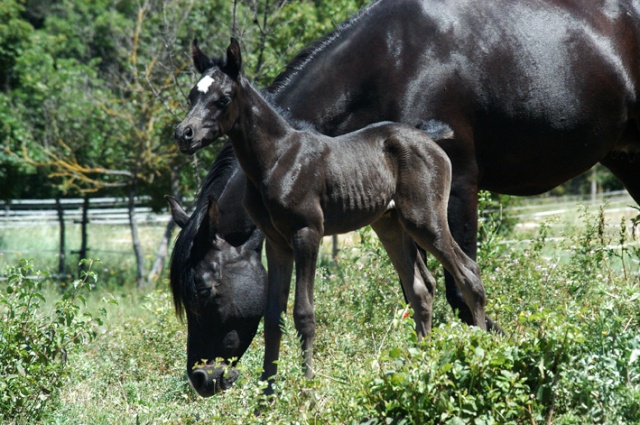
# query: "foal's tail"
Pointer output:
{"type": "Point", "coordinates": [436, 130]}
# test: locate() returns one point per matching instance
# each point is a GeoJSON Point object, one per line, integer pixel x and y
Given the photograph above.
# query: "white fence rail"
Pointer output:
{"type": "Point", "coordinates": [111, 211]}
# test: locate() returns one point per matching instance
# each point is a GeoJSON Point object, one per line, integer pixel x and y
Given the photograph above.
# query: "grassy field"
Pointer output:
{"type": "Point", "coordinates": [111, 244]}
{"type": "Point", "coordinates": [564, 289]}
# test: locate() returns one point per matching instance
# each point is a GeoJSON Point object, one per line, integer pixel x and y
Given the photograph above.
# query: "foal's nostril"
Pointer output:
{"type": "Point", "coordinates": [188, 133]}
{"type": "Point", "coordinates": [185, 133]}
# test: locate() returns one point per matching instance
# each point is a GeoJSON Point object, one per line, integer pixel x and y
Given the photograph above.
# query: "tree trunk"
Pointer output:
{"type": "Point", "coordinates": [137, 249]}
{"type": "Point", "coordinates": [61, 250]}
{"type": "Point", "coordinates": [161, 255]}
{"type": "Point", "coordinates": [264, 31]}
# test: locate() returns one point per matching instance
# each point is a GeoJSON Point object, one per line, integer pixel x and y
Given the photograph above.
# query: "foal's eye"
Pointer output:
{"type": "Point", "coordinates": [223, 102]}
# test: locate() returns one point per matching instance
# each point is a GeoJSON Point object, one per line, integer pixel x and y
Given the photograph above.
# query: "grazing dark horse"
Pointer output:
{"type": "Point", "coordinates": [302, 185]}
{"type": "Point", "coordinates": [536, 92]}
{"type": "Point", "coordinates": [217, 277]}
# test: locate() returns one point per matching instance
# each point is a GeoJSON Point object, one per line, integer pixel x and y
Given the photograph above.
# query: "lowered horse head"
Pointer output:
{"type": "Point", "coordinates": [218, 283]}
{"type": "Point", "coordinates": [209, 117]}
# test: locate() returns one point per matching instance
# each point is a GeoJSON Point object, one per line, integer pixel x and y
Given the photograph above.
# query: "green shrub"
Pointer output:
{"type": "Point", "coordinates": [35, 340]}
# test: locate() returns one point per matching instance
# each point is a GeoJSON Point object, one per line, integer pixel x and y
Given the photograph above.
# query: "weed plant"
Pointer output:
{"type": "Point", "coordinates": [35, 340]}
{"type": "Point", "coordinates": [570, 353]}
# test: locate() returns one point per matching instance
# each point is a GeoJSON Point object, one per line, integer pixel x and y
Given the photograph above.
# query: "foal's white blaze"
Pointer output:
{"type": "Point", "coordinates": [392, 205]}
{"type": "Point", "coordinates": [205, 83]}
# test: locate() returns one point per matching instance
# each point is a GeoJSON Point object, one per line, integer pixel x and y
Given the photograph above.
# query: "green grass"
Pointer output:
{"type": "Point", "coordinates": [571, 354]}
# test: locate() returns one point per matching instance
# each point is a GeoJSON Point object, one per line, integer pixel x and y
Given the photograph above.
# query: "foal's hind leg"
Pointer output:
{"type": "Point", "coordinates": [438, 241]}
{"type": "Point", "coordinates": [431, 232]}
{"type": "Point", "coordinates": [418, 284]}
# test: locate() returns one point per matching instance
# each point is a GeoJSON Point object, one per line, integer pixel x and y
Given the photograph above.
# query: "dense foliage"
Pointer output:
{"type": "Point", "coordinates": [90, 91]}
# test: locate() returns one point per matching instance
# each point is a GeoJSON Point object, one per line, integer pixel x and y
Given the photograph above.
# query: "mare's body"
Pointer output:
{"type": "Point", "coordinates": [302, 185]}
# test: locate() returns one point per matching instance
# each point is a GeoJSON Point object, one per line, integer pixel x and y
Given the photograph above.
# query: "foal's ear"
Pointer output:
{"type": "Point", "coordinates": [177, 212]}
{"type": "Point", "coordinates": [234, 59]}
{"type": "Point", "coordinates": [200, 60]}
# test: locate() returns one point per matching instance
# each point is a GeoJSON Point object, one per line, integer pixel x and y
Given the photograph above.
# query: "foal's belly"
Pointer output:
{"type": "Point", "coordinates": [359, 186]}
{"type": "Point", "coordinates": [338, 220]}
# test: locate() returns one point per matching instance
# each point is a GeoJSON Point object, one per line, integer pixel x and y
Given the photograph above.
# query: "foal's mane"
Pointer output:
{"type": "Point", "coordinates": [182, 258]}
{"type": "Point", "coordinates": [305, 56]}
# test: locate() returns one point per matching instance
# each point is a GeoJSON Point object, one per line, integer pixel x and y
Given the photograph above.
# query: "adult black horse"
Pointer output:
{"type": "Point", "coordinates": [536, 92]}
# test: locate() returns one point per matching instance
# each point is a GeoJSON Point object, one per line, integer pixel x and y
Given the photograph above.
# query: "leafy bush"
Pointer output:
{"type": "Point", "coordinates": [35, 340]}
{"type": "Point", "coordinates": [571, 357]}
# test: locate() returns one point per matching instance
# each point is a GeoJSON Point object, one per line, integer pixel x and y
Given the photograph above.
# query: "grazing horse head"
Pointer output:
{"type": "Point", "coordinates": [210, 99]}
{"type": "Point", "coordinates": [218, 282]}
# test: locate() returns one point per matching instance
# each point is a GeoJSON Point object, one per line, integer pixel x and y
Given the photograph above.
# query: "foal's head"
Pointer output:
{"type": "Point", "coordinates": [212, 112]}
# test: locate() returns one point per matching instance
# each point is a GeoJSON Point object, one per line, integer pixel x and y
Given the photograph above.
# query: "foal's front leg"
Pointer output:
{"type": "Point", "coordinates": [306, 243]}
{"type": "Point", "coordinates": [280, 265]}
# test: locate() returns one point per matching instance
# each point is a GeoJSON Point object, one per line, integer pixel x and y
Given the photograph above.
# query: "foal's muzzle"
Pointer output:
{"type": "Point", "coordinates": [186, 134]}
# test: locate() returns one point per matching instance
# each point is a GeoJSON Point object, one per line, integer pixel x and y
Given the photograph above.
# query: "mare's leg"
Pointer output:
{"type": "Point", "coordinates": [280, 266]}
{"type": "Point", "coordinates": [463, 217]}
{"type": "Point", "coordinates": [627, 172]}
{"type": "Point", "coordinates": [418, 284]}
{"type": "Point", "coordinates": [306, 243]}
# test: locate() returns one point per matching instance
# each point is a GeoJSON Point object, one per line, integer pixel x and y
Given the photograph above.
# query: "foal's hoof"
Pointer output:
{"type": "Point", "coordinates": [493, 328]}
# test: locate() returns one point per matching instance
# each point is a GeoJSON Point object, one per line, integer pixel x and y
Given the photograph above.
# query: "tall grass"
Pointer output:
{"type": "Point", "coordinates": [571, 353]}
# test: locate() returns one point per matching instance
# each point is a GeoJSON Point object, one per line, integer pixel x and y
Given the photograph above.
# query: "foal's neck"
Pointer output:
{"type": "Point", "coordinates": [260, 135]}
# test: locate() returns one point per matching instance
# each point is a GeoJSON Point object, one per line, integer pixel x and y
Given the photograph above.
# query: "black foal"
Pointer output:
{"type": "Point", "coordinates": [302, 185]}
